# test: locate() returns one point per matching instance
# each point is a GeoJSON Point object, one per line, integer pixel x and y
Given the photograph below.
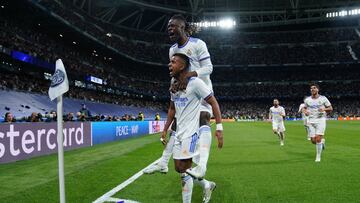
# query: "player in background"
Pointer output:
{"type": "Point", "coordinates": [305, 119]}
{"type": "Point", "coordinates": [187, 105]}
{"type": "Point", "coordinates": [276, 115]}
{"type": "Point", "coordinates": [316, 107]}
{"type": "Point", "coordinates": [200, 66]}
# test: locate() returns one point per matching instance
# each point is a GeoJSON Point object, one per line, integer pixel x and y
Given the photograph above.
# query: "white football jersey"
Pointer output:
{"type": "Point", "coordinates": [313, 106]}
{"type": "Point", "coordinates": [199, 56]}
{"type": "Point", "coordinates": [187, 107]}
{"type": "Point", "coordinates": [276, 113]}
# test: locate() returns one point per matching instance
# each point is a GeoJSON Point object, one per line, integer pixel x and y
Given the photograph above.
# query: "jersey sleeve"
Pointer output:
{"type": "Point", "coordinates": [206, 66]}
{"type": "Point", "coordinates": [326, 102]}
{"type": "Point", "coordinates": [306, 102]}
{"type": "Point", "coordinates": [201, 90]}
{"type": "Point", "coordinates": [283, 110]}
{"type": "Point", "coordinates": [300, 108]}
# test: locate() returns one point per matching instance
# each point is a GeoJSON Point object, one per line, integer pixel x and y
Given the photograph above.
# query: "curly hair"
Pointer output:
{"type": "Point", "coordinates": [190, 29]}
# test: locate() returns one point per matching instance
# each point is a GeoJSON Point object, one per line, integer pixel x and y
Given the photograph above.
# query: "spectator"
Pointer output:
{"type": "Point", "coordinates": [80, 117]}
{"type": "Point", "coordinates": [69, 117]}
{"type": "Point", "coordinates": [141, 116]}
{"type": "Point", "coordinates": [157, 117]}
{"type": "Point", "coordinates": [8, 118]}
{"type": "Point", "coordinates": [85, 112]}
{"type": "Point", "coordinates": [51, 117]}
{"type": "Point", "coordinates": [34, 117]}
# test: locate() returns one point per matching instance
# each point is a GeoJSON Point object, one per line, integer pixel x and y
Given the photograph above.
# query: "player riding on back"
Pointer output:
{"type": "Point", "coordinates": [201, 67]}
{"type": "Point", "coordinates": [187, 104]}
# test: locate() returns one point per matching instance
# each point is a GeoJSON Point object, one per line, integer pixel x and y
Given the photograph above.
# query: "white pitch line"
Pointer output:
{"type": "Point", "coordinates": [111, 199]}
{"type": "Point", "coordinates": [116, 189]}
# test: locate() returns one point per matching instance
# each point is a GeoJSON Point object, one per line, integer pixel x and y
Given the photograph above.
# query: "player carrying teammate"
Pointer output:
{"type": "Point", "coordinates": [305, 119]}
{"type": "Point", "coordinates": [187, 104]}
{"type": "Point", "coordinates": [200, 66]}
{"type": "Point", "coordinates": [316, 107]}
{"type": "Point", "coordinates": [276, 115]}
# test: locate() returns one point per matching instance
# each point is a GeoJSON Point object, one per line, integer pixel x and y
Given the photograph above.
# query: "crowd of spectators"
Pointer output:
{"type": "Point", "coordinates": [132, 88]}
{"type": "Point", "coordinates": [259, 109]}
{"type": "Point", "coordinates": [245, 100]}
{"type": "Point", "coordinates": [69, 117]}
{"type": "Point", "coordinates": [286, 90]}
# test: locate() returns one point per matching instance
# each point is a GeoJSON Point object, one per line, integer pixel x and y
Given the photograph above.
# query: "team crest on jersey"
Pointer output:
{"type": "Point", "coordinates": [188, 52]}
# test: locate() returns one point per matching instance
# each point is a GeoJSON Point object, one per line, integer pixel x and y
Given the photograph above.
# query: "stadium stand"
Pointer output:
{"type": "Point", "coordinates": [23, 104]}
{"type": "Point", "coordinates": [322, 45]}
{"type": "Point", "coordinates": [263, 66]}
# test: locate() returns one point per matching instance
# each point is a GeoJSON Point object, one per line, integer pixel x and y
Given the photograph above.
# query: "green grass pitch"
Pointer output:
{"type": "Point", "coordinates": [252, 167]}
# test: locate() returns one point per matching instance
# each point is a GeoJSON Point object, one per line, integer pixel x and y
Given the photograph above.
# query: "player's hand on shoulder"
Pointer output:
{"type": "Point", "coordinates": [220, 138]}
{"type": "Point", "coordinates": [182, 84]}
{"type": "Point", "coordinates": [174, 86]}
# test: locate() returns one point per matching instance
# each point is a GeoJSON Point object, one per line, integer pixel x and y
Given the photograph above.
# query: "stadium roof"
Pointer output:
{"type": "Point", "coordinates": [153, 15]}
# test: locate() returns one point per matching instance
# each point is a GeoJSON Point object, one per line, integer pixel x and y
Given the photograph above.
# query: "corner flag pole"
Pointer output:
{"type": "Point", "coordinates": [60, 141]}
{"type": "Point", "coordinates": [59, 86]}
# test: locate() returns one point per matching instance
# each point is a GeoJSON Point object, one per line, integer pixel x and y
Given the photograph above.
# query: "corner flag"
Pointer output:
{"type": "Point", "coordinates": [59, 86]}
{"type": "Point", "coordinates": [59, 81]}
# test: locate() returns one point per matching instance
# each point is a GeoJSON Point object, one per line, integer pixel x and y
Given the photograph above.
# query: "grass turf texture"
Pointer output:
{"type": "Point", "coordinates": [252, 167]}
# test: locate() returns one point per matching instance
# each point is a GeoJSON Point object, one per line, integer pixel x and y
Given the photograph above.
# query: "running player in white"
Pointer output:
{"type": "Point", "coordinates": [200, 66]}
{"type": "Point", "coordinates": [305, 119]}
{"type": "Point", "coordinates": [187, 104]}
{"type": "Point", "coordinates": [316, 107]}
{"type": "Point", "coordinates": [276, 115]}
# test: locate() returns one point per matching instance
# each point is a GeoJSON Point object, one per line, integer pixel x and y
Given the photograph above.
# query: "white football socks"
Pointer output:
{"type": "Point", "coordinates": [203, 183]}
{"type": "Point", "coordinates": [187, 187]}
{"type": "Point", "coordinates": [204, 145]}
{"type": "Point", "coordinates": [319, 147]}
{"type": "Point", "coordinates": [166, 155]}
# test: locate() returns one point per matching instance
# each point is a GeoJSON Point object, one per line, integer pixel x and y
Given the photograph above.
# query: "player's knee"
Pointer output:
{"type": "Point", "coordinates": [180, 169]}
{"type": "Point", "coordinates": [317, 138]}
{"type": "Point", "coordinates": [204, 118]}
{"type": "Point", "coordinates": [313, 140]}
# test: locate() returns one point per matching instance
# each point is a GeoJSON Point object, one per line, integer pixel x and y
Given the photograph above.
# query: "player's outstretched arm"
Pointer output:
{"type": "Point", "coordinates": [219, 128]}
{"type": "Point", "coordinates": [169, 120]}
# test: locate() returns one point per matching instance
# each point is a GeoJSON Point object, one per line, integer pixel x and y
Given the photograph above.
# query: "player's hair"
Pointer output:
{"type": "Point", "coordinates": [184, 58]}
{"type": "Point", "coordinates": [316, 85]}
{"type": "Point", "coordinates": [189, 28]}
